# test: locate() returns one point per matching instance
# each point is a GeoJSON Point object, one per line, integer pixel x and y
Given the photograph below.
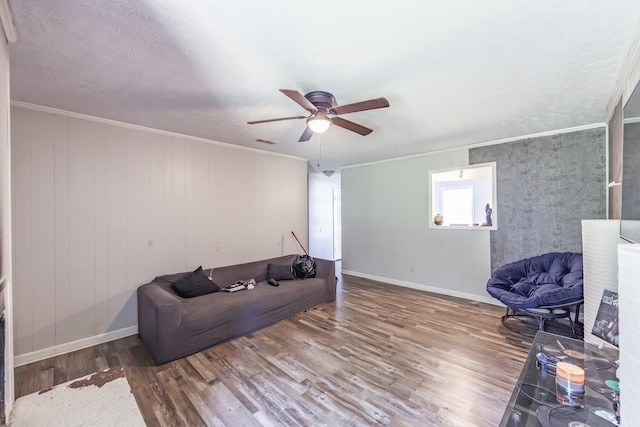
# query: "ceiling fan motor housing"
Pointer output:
{"type": "Point", "coordinates": [322, 100]}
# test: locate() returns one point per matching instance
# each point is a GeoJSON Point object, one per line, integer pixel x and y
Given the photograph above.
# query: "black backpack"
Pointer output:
{"type": "Point", "coordinates": [303, 266]}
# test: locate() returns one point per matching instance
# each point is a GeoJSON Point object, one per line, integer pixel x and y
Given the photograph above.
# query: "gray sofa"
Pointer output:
{"type": "Point", "coordinates": [172, 327]}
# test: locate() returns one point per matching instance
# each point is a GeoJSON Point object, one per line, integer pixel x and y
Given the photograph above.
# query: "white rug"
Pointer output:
{"type": "Point", "coordinates": [100, 399]}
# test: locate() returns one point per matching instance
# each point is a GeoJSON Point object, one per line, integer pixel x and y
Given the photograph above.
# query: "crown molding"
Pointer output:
{"type": "Point", "coordinates": [51, 110]}
{"type": "Point", "coordinates": [6, 17]}
{"type": "Point", "coordinates": [482, 144]}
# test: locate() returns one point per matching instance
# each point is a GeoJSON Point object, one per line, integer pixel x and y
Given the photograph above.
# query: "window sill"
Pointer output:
{"type": "Point", "coordinates": [463, 227]}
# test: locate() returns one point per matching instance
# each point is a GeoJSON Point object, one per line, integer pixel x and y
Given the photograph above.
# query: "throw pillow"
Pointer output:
{"type": "Point", "coordinates": [194, 284]}
{"type": "Point", "coordinates": [279, 272]}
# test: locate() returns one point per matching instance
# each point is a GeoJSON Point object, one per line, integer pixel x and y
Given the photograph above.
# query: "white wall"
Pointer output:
{"type": "Point", "coordinates": [102, 208]}
{"type": "Point", "coordinates": [386, 234]}
{"type": "Point", "coordinates": [6, 298]}
{"type": "Point", "coordinates": [321, 225]}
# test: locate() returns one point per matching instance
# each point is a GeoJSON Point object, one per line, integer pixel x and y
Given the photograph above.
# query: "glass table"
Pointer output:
{"type": "Point", "coordinates": [533, 402]}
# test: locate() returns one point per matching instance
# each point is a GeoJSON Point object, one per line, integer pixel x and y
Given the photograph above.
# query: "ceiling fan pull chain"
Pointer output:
{"type": "Point", "coordinates": [319, 149]}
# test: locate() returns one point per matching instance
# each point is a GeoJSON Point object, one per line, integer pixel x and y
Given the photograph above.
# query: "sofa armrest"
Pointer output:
{"type": "Point", "coordinates": [164, 307]}
{"type": "Point", "coordinates": [326, 270]}
{"type": "Point", "coordinates": [159, 312]}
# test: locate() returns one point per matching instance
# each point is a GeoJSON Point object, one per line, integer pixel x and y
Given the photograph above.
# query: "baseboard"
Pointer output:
{"type": "Point", "coordinates": [45, 353]}
{"type": "Point", "coordinates": [426, 288]}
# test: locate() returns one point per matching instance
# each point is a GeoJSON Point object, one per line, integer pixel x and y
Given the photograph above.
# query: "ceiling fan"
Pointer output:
{"type": "Point", "coordinates": [325, 111]}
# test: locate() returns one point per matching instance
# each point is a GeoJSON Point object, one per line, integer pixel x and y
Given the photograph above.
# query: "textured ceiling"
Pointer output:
{"type": "Point", "coordinates": [455, 73]}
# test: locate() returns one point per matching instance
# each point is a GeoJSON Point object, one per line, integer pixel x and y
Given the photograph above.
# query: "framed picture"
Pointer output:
{"type": "Point", "coordinates": [606, 323]}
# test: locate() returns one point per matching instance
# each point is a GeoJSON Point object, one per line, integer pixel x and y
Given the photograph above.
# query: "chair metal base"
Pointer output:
{"type": "Point", "coordinates": [545, 317]}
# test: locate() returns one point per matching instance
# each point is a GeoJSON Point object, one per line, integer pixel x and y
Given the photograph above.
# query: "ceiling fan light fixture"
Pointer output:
{"type": "Point", "coordinates": [319, 123]}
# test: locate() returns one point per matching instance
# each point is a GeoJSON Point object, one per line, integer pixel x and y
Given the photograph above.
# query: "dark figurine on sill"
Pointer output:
{"type": "Point", "coordinates": [488, 211]}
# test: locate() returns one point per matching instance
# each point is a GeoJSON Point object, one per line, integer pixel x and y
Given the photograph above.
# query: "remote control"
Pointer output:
{"type": "Point", "coordinates": [273, 282]}
{"type": "Point", "coordinates": [238, 286]}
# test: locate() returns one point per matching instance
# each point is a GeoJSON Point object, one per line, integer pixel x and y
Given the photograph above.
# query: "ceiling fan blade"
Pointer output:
{"type": "Point", "coordinates": [371, 104]}
{"type": "Point", "coordinates": [353, 127]}
{"type": "Point", "coordinates": [306, 135]}
{"type": "Point", "coordinates": [276, 120]}
{"type": "Point", "coordinates": [299, 99]}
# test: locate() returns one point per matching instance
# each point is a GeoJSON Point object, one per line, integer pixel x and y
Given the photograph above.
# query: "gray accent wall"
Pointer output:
{"type": "Point", "coordinates": [546, 186]}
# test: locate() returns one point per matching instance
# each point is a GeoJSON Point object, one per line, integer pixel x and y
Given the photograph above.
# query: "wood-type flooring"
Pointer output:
{"type": "Point", "coordinates": [380, 355]}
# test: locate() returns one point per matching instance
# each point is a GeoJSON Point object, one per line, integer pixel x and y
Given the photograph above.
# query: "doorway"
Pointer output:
{"type": "Point", "coordinates": [337, 224]}
{"type": "Point", "coordinates": [325, 210]}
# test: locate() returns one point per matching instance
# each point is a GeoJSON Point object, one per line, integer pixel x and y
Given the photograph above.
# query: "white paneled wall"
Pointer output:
{"type": "Point", "coordinates": [600, 239]}
{"type": "Point", "coordinates": [629, 324]}
{"type": "Point", "coordinates": [101, 208]}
